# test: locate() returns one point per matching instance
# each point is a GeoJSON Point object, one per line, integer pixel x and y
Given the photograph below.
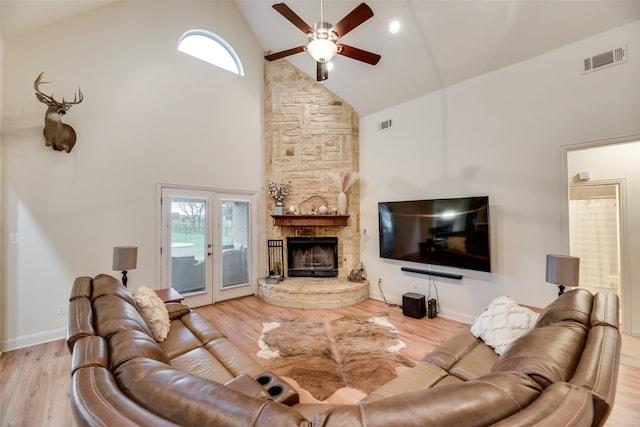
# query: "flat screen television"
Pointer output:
{"type": "Point", "coordinates": [447, 232]}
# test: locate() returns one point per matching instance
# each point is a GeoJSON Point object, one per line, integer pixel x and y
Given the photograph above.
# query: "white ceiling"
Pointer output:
{"type": "Point", "coordinates": [441, 42]}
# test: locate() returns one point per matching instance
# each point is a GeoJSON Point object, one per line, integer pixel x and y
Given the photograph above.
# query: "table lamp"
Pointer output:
{"type": "Point", "coordinates": [563, 270]}
{"type": "Point", "coordinates": [124, 259]}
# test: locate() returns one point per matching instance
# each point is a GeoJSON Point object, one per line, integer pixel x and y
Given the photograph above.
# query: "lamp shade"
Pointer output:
{"type": "Point", "coordinates": [125, 258]}
{"type": "Point", "coordinates": [322, 50]}
{"type": "Point", "coordinates": [563, 270]}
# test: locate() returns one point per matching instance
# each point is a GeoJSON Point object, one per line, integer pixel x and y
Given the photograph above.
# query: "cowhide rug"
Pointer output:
{"type": "Point", "coordinates": [324, 356]}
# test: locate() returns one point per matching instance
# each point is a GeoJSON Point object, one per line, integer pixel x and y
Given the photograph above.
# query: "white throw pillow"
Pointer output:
{"type": "Point", "coordinates": [153, 311]}
{"type": "Point", "coordinates": [502, 322]}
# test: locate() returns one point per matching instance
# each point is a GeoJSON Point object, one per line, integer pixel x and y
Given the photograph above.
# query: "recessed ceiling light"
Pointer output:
{"type": "Point", "coordinates": [394, 27]}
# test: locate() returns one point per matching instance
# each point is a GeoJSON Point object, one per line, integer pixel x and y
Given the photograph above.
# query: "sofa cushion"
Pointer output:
{"type": "Point", "coordinates": [478, 362]}
{"type": "Point", "coordinates": [422, 376]}
{"type": "Point", "coordinates": [153, 311]}
{"type": "Point", "coordinates": [201, 327]}
{"type": "Point", "coordinates": [201, 363]}
{"type": "Point", "coordinates": [180, 339]}
{"type": "Point", "coordinates": [574, 305]}
{"type": "Point", "coordinates": [113, 314]}
{"type": "Point", "coordinates": [103, 284]}
{"type": "Point", "coordinates": [549, 354]}
{"type": "Point", "coordinates": [131, 344]}
{"type": "Point", "coordinates": [502, 322]}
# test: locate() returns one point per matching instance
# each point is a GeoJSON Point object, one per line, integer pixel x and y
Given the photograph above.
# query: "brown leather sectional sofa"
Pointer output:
{"type": "Point", "coordinates": [562, 373]}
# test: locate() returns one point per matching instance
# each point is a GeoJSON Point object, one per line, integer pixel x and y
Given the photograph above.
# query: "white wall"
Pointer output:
{"type": "Point", "coordinates": [499, 135]}
{"type": "Point", "coordinates": [2, 230]}
{"type": "Point", "coordinates": [150, 115]}
{"type": "Point", "coordinates": [615, 162]}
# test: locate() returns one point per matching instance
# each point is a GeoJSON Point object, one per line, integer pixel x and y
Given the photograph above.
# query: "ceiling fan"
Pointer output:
{"type": "Point", "coordinates": [323, 38]}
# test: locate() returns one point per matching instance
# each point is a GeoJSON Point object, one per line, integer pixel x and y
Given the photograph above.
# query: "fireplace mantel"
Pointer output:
{"type": "Point", "coordinates": [310, 220]}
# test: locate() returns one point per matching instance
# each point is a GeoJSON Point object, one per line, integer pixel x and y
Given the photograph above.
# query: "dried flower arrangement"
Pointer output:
{"type": "Point", "coordinates": [279, 190]}
{"type": "Point", "coordinates": [345, 179]}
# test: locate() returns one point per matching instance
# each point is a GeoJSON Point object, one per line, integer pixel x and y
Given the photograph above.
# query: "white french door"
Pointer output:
{"type": "Point", "coordinates": [207, 247]}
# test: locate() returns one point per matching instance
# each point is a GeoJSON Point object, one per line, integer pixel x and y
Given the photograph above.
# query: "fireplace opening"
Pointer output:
{"type": "Point", "coordinates": [312, 256]}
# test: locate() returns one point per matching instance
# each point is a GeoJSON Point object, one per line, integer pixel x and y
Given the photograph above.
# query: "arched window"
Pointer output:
{"type": "Point", "coordinates": [210, 48]}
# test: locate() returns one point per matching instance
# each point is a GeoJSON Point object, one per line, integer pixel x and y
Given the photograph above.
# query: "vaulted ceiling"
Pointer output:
{"type": "Point", "coordinates": [440, 42]}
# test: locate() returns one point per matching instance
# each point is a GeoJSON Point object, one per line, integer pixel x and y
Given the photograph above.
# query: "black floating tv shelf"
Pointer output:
{"type": "Point", "coordinates": [432, 273]}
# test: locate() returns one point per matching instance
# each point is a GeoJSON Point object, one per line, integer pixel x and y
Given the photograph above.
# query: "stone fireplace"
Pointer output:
{"type": "Point", "coordinates": [312, 256]}
{"type": "Point", "coordinates": [309, 131]}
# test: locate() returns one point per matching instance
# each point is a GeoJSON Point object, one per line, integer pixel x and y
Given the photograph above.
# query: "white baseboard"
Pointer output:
{"type": "Point", "coordinates": [454, 315]}
{"type": "Point", "coordinates": [32, 339]}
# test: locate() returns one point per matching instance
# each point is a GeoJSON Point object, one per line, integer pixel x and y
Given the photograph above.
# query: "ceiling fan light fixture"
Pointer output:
{"type": "Point", "coordinates": [322, 50]}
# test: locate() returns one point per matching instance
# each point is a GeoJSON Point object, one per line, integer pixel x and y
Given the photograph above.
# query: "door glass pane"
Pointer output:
{"type": "Point", "coordinates": [188, 244]}
{"type": "Point", "coordinates": [235, 242]}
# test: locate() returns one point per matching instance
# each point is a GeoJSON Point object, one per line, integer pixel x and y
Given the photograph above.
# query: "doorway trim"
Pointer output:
{"type": "Point", "coordinates": [625, 275]}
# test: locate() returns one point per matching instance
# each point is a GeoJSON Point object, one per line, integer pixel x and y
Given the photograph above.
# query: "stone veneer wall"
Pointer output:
{"type": "Point", "coordinates": [308, 132]}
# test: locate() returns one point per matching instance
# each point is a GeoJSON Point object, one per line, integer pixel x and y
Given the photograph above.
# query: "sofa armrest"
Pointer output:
{"type": "Point", "coordinates": [153, 385]}
{"type": "Point", "coordinates": [484, 401]}
{"type": "Point", "coordinates": [89, 351]}
{"type": "Point", "coordinates": [561, 404]}
{"type": "Point", "coordinates": [79, 321]}
{"type": "Point", "coordinates": [247, 385]}
{"type": "Point", "coordinates": [597, 370]}
{"type": "Point", "coordinates": [96, 400]}
{"type": "Point", "coordinates": [176, 310]}
{"type": "Point", "coordinates": [447, 354]}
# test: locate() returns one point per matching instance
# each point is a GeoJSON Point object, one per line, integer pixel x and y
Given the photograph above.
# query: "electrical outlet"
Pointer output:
{"type": "Point", "coordinates": [60, 310]}
{"type": "Point", "coordinates": [13, 239]}
{"type": "Point", "coordinates": [418, 288]}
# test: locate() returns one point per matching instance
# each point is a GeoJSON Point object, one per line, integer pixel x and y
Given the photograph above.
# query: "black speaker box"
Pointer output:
{"type": "Point", "coordinates": [413, 305]}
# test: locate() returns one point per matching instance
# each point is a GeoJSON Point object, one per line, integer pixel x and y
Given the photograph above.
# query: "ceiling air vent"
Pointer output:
{"type": "Point", "coordinates": [384, 125]}
{"type": "Point", "coordinates": [606, 59]}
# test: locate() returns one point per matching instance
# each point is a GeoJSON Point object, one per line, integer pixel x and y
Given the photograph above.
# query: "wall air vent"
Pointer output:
{"type": "Point", "coordinates": [606, 59]}
{"type": "Point", "coordinates": [384, 125]}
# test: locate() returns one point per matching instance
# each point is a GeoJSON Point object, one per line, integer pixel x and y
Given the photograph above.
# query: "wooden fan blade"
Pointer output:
{"type": "Point", "coordinates": [322, 71]}
{"type": "Point", "coordinates": [291, 16]}
{"type": "Point", "coordinates": [356, 17]}
{"type": "Point", "coordinates": [358, 54]}
{"type": "Point", "coordinates": [282, 54]}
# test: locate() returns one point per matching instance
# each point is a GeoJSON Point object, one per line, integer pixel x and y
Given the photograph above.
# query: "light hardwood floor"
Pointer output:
{"type": "Point", "coordinates": [34, 381]}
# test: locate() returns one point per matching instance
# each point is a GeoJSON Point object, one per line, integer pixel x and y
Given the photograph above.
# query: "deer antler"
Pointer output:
{"type": "Point", "coordinates": [70, 103]}
{"type": "Point", "coordinates": [43, 97]}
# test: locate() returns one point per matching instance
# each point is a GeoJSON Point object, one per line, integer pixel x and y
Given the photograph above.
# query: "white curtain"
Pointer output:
{"type": "Point", "coordinates": [593, 231]}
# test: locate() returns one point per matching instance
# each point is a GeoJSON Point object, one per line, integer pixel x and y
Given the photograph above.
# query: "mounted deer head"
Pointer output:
{"type": "Point", "coordinates": [58, 135]}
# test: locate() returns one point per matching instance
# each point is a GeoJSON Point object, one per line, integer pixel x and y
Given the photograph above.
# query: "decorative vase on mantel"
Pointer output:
{"type": "Point", "coordinates": [342, 203]}
{"type": "Point", "coordinates": [279, 207]}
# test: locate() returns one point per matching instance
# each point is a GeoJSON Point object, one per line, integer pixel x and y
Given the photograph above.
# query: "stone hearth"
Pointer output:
{"type": "Point", "coordinates": [307, 292]}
